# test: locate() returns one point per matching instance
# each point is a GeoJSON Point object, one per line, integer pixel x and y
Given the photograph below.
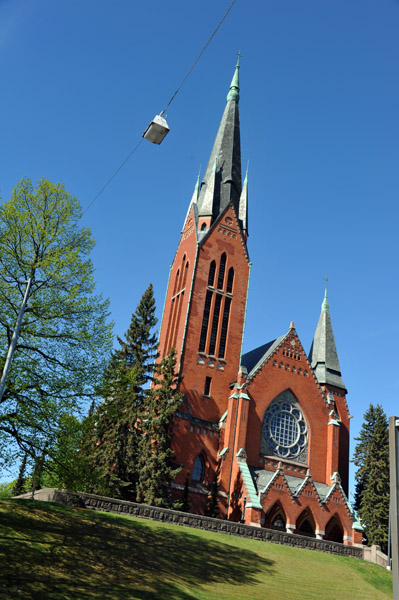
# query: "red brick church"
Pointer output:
{"type": "Point", "coordinates": [271, 424]}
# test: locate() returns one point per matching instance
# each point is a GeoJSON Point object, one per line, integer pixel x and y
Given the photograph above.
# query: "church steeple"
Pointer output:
{"type": "Point", "coordinates": [323, 352]}
{"type": "Point", "coordinates": [222, 185]}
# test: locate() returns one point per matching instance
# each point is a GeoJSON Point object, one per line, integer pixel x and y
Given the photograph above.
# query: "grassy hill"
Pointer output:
{"type": "Point", "coordinates": [49, 551]}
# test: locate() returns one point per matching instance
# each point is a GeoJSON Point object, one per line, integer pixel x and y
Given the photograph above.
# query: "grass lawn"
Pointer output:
{"type": "Point", "coordinates": [48, 551]}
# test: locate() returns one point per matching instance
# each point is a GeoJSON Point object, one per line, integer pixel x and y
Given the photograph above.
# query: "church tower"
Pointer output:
{"type": "Point", "coordinates": [206, 298]}
{"type": "Point", "coordinates": [271, 425]}
{"type": "Point", "coordinates": [323, 358]}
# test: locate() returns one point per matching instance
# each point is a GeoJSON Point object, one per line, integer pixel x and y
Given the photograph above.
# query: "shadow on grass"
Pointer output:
{"type": "Point", "coordinates": [52, 552]}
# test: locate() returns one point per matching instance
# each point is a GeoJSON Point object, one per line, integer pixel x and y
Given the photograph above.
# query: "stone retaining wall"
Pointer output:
{"type": "Point", "coordinates": [91, 501]}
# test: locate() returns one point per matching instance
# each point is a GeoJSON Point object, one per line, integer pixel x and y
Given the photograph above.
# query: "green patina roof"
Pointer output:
{"type": "Point", "coordinates": [249, 484]}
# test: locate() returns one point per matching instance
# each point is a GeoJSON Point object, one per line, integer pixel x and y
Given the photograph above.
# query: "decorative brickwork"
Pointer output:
{"type": "Point", "coordinates": [272, 424]}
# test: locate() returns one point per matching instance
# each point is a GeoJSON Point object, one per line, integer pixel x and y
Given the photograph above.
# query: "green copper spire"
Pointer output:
{"type": "Point", "coordinates": [325, 306]}
{"type": "Point", "coordinates": [235, 84]}
{"type": "Point", "coordinates": [323, 353]}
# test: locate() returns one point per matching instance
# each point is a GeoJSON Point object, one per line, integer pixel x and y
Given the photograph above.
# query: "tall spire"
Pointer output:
{"type": "Point", "coordinates": [323, 352]}
{"type": "Point", "coordinates": [226, 150]}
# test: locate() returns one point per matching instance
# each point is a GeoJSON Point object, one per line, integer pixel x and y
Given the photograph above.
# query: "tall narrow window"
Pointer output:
{"type": "Point", "coordinates": [222, 268]}
{"type": "Point", "coordinates": [223, 332]}
{"type": "Point", "coordinates": [205, 321]}
{"type": "Point", "coordinates": [215, 323]}
{"type": "Point", "coordinates": [215, 320]}
{"type": "Point", "coordinates": [207, 387]}
{"type": "Point", "coordinates": [198, 469]}
{"type": "Point", "coordinates": [176, 304]}
{"type": "Point", "coordinates": [212, 269]}
{"type": "Point", "coordinates": [230, 279]}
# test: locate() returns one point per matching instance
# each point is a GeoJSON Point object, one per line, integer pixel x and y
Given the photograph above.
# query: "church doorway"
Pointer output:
{"type": "Point", "coordinates": [334, 531]}
{"type": "Point", "coordinates": [305, 524]}
{"type": "Point", "coordinates": [275, 518]}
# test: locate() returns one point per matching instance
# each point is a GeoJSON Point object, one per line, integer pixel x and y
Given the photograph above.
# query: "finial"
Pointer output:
{"type": "Point", "coordinates": [325, 305]}
{"type": "Point", "coordinates": [198, 179]}
{"type": "Point", "coordinates": [235, 86]}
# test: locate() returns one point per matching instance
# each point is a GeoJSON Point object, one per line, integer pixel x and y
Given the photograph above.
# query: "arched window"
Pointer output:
{"type": "Point", "coordinates": [198, 469]}
{"type": "Point", "coordinates": [230, 279]}
{"type": "Point", "coordinates": [215, 319]}
{"type": "Point", "coordinates": [222, 268]}
{"type": "Point", "coordinates": [212, 269]}
{"type": "Point", "coordinates": [284, 429]}
{"type": "Point", "coordinates": [176, 304]}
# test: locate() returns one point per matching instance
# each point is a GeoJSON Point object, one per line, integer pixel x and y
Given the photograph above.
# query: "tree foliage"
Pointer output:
{"type": "Point", "coordinates": [157, 467]}
{"type": "Point", "coordinates": [115, 452]}
{"type": "Point", "coordinates": [212, 507]}
{"type": "Point", "coordinates": [65, 336]}
{"type": "Point", "coordinates": [371, 457]}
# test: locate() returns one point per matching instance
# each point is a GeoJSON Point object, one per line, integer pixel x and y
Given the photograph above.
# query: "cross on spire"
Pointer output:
{"type": "Point", "coordinates": [239, 55]}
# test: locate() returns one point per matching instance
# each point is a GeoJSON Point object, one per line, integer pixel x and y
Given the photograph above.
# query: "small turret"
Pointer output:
{"type": "Point", "coordinates": [323, 352]}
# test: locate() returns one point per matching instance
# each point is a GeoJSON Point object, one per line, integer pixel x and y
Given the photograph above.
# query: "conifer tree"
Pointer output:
{"type": "Point", "coordinates": [212, 507]}
{"type": "Point", "coordinates": [157, 468]}
{"type": "Point", "coordinates": [185, 503]}
{"type": "Point", "coordinates": [19, 485]}
{"type": "Point", "coordinates": [118, 419]}
{"type": "Point", "coordinates": [371, 456]}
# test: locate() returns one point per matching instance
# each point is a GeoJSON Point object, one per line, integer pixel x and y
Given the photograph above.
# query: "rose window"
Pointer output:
{"type": "Point", "coordinates": [285, 429]}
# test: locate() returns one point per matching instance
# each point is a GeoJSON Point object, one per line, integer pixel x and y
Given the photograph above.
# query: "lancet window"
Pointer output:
{"type": "Point", "coordinates": [177, 301]}
{"type": "Point", "coordinates": [216, 315]}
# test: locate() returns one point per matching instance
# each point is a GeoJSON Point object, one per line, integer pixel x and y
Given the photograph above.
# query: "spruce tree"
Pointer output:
{"type": "Point", "coordinates": [371, 456]}
{"type": "Point", "coordinates": [185, 503]}
{"type": "Point", "coordinates": [157, 468]}
{"type": "Point", "coordinates": [118, 419]}
{"type": "Point", "coordinates": [212, 507]}
{"type": "Point", "coordinates": [19, 486]}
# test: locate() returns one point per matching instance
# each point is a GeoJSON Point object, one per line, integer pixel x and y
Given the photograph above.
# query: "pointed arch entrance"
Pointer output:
{"type": "Point", "coordinates": [305, 524]}
{"type": "Point", "coordinates": [276, 518]}
{"type": "Point", "coordinates": [334, 530]}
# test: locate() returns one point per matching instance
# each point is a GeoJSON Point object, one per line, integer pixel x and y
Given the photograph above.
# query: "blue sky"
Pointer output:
{"type": "Point", "coordinates": [319, 125]}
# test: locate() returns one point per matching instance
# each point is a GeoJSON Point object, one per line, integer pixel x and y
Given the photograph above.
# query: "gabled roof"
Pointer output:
{"type": "Point", "coordinates": [323, 353]}
{"type": "Point", "coordinates": [263, 479]}
{"type": "Point", "coordinates": [254, 359]}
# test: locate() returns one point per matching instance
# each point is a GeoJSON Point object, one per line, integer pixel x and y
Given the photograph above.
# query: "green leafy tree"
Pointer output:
{"type": "Point", "coordinates": [156, 466]}
{"type": "Point", "coordinates": [119, 417]}
{"type": "Point", "coordinates": [69, 465]}
{"type": "Point", "coordinates": [65, 337]}
{"type": "Point", "coordinates": [371, 457]}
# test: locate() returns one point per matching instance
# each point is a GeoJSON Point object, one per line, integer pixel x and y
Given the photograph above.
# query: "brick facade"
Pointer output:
{"type": "Point", "coordinates": [267, 424]}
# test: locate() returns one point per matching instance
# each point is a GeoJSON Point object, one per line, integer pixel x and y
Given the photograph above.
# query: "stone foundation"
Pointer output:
{"type": "Point", "coordinates": [91, 501]}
